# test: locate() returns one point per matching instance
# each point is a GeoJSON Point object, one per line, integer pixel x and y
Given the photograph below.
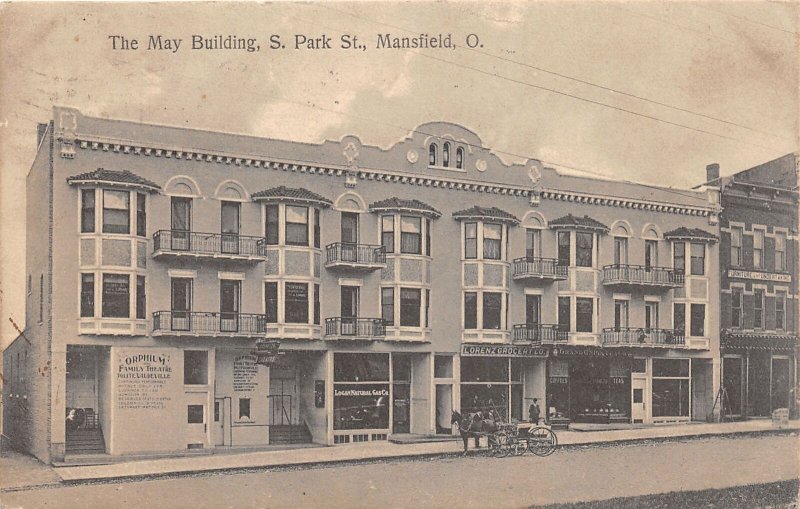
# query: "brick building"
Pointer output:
{"type": "Point", "coordinates": [401, 283]}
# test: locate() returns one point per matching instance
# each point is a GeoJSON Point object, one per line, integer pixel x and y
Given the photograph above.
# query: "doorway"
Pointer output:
{"type": "Point", "coordinates": [444, 408]}
{"type": "Point", "coordinates": [638, 401]}
{"type": "Point", "coordinates": [221, 421]}
{"type": "Point", "coordinates": [196, 420]}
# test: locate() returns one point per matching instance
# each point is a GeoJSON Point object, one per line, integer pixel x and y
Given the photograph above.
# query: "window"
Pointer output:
{"type": "Point", "coordinates": [533, 309]}
{"type": "Point", "coordinates": [387, 306]}
{"type": "Point", "coordinates": [758, 308]}
{"type": "Point", "coordinates": [698, 259]}
{"type": "Point", "coordinates": [780, 251]}
{"type": "Point", "coordinates": [470, 310]}
{"type": "Point", "coordinates": [651, 315]}
{"type": "Point", "coordinates": [244, 408]}
{"type": "Point", "coordinates": [87, 295]}
{"type": "Point", "coordinates": [195, 367]}
{"type": "Point", "coordinates": [141, 215]}
{"type": "Point", "coordinates": [271, 225]}
{"type": "Point", "coordinates": [564, 313]}
{"type": "Point", "coordinates": [229, 218]}
{"type": "Point", "coordinates": [460, 158]}
{"type": "Point", "coordinates": [679, 318]}
{"type": "Point", "coordinates": [296, 300]}
{"type": "Point", "coordinates": [349, 296]}
{"type": "Point", "coordinates": [533, 243]}
{"type": "Point", "coordinates": [584, 314]}
{"type": "Point", "coordinates": [758, 249]}
{"type": "Point", "coordinates": [349, 228]}
{"type": "Point", "coordinates": [583, 249]}
{"type": "Point", "coordinates": [427, 308]}
{"type": "Point", "coordinates": [116, 211]}
{"type": "Point", "coordinates": [650, 254]}
{"type": "Point", "coordinates": [620, 251]}
{"type": "Point", "coordinates": [679, 256]}
{"type": "Point", "coordinates": [181, 303]}
{"type": "Point", "coordinates": [116, 296]}
{"type": "Point", "coordinates": [41, 298]}
{"type": "Point", "coordinates": [387, 233]}
{"type": "Point", "coordinates": [296, 226]}
{"type": "Point", "coordinates": [87, 210]}
{"type": "Point", "coordinates": [470, 240]}
{"type": "Point", "coordinates": [563, 248]}
{"type": "Point", "coordinates": [446, 155]}
{"type": "Point", "coordinates": [432, 154]}
{"type": "Point", "coordinates": [271, 302]}
{"type": "Point", "coordinates": [317, 229]}
{"type": "Point", "coordinates": [492, 241]}
{"type": "Point", "coordinates": [317, 305]}
{"type": "Point", "coordinates": [736, 246]}
{"type": "Point", "coordinates": [492, 307]}
{"type": "Point", "coordinates": [442, 366]}
{"type": "Point", "coordinates": [181, 223]}
{"type": "Point", "coordinates": [780, 310]}
{"type": "Point", "coordinates": [736, 307]}
{"type": "Point", "coordinates": [229, 304]}
{"type": "Point", "coordinates": [620, 314]}
{"type": "Point", "coordinates": [698, 317]}
{"type": "Point", "coordinates": [410, 235]}
{"type": "Point", "coordinates": [195, 414]}
{"type": "Point", "coordinates": [410, 301]}
{"type": "Point", "coordinates": [427, 237]}
{"type": "Point", "coordinates": [141, 298]}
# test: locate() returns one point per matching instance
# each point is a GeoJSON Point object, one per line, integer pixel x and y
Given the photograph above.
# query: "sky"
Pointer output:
{"type": "Point", "coordinates": [644, 91]}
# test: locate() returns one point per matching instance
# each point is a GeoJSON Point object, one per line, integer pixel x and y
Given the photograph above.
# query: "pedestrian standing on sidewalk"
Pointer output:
{"type": "Point", "coordinates": [534, 412]}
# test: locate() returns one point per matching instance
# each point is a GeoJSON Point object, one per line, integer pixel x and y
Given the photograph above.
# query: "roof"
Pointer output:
{"type": "Point", "coordinates": [117, 177]}
{"type": "Point", "coordinates": [578, 223]}
{"type": "Point", "coordinates": [482, 213]}
{"type": "Point", "coordinates": [298, 195]}
{"type": "Point", "coordinates": [399, 204]}
{"type": "Point", "coordinates": [690, 233]}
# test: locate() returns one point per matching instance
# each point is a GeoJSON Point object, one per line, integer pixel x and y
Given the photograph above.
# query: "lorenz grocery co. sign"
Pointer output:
{"type": "Point", "coordinates": [503, 351]}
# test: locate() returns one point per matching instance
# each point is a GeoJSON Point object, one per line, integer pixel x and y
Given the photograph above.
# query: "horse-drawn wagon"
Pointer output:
{"type": "Point", "coordinates": [505, 438]}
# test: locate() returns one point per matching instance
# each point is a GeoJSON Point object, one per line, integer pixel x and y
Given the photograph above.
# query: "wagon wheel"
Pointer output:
{"type": "Point", "coordinates": [499, 444]}
{"type": "Point", "coordinates": [542, 441]}
{"type": "Point", "coordinates": [517, 446]}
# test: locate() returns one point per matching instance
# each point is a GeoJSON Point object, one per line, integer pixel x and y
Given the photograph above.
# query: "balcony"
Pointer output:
{"type": "Point", "coordinates": [191, 323]}
{"type": "Point", "coordinates": [343, 255]}
{"type": "Point", "coordinates": [632, 336]}
{"type": "Point", "coordinates": [539, 333]}
{"type": "Point", "coordinates": [538, 269]}
{"type": "Point", "coordinates": [345, 327]}
{"type": "Point", "coordinates": [209, 245]}
{"type": "Point", "coordinates": [637, 275]}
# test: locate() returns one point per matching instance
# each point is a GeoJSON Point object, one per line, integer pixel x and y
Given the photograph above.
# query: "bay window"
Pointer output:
{"type": "Point", "coordinates": [116, 211]}
{"type": "Point", "coordinates": [271, 302]}
{"type": "Point", "coordinates": [410, 301]}
{"type": "Point", "coordinates": [584, 314]}
{"type": "Point", "coordinates": [470, 240]}
{"type": "Point", "coordinates": [584, 243]}
{"type": "Point", "coordinates": [141, 215]}
{"type": "Point", "coordinates": [679, 256]}
{"type": "Point", "coordinates": [141, 298]}
{"type": "Point", "coordinates": [387, 233]}
{"type": "Point", "coordinates": [679, 318]}
{"type": "Point", "coordinates": [87, 295]}
{"type": "Point", "coordinates": [564, 317]}
{"type": "Point", "coordinates": [492, 310]}
{"type": "Point", "coordinates": [87, 210]}
{"type": "Point", "coordinates": [317, 305]}
{"type": "Point", "coordinates": [116, 296]}
{"type": "Point", "coordinates": [410, 235]}
{"type": "Point", "coordinates": [564, 249]}
{"type": "Point", "coordinates": [491, 314]}
{"type": "Point", "coordinates": [272, 225]}
{"type": "Point", "coordinates": [470, 310]}
{"type": "Point", "coordinates": [296, 226]}
{"type": "Point", "coordinates": [296, 302]}
{"type": "Point", "coordinates": [492, 241]}
{"type": "Point", "coordinates": [387, 306]}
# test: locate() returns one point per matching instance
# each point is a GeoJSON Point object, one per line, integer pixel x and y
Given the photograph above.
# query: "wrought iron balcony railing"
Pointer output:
{"type": "Point", "coordinates": [208, 324]}
{"type": "Point", "coordinates": [344, 254]}
{"type": "Point", "coordinates": [540, 333]}
{"type": "Point", "coordinates": [539, 268]}
{"type": "Point", "coordinates": [642, 336]}
{"type": "Point", "coordinates": [216, 245]}
{"type": "Point", "coordinates": [638, 275]}
{"type": "Point", "coordinates": [346, 327]}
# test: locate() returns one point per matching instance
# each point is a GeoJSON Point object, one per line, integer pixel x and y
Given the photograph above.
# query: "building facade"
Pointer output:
{"type": "Point", "coordinates": [401, 284]}
{"type": "Point", "coordinates": [758, 275]}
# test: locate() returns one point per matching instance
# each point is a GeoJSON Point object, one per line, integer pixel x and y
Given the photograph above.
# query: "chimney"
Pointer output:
{"type": "Point", "coordinates": [41, 129]}
{"type": "Point", "coordinates": [712, 173]}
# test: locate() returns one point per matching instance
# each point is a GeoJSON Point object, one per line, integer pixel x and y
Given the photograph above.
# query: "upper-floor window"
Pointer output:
{"type": "Point", "coordinates": [780, 310]}
{"type": "Point", "coordinates": [459, 158]}
{"type": "Point", "coordinates": [620, 313]}
{"type": "Point", "coordinates": [780, 251]}
{"type": "Point", "coordinates": [491, 315]}
{"type": "Point", "coordinates": [679, 318]}
{"type": "Point", "coordinates": [296, 225]}
{"type": "Point", "coordinates": [651, 315]}
{"type": "Point", "coordinates": [387, 233]}
{"type": "Point", "coordinates": [387, 306]}
{"type": "Point", "coordinates": [470, 240]}
{"type": "Point", "coordinates": [181, 219]}
{"type": "Point", "coordinates": [349, 227]}
{"type": "Point", "coordinates": [679, 256]}
{"type": "Point", "coordinates": [271, 302]}
{"type": "Point", "coordinates": [410, 302]}
{"type": "Point", "coordinates": [410, 229]}
{"type": "Point", "coordinates": [697, 327]}
{"type": "Point", "coordinates": [736, 307]}
{"type": "Point", "coordinates": [141, 298]}
{"type": "Point", "coordinates": [698, 252]}
{"type": "Point", "coordinates": [272, 225]}
{"type": "Point", "coordinates": [432, 154]}
{"type": "Point", "coordinates": [410, 235]}
{"type": "Point", "coordinates": [141, 215]}
{"type": "Point", "coordinates": [492, 241]}
{"type": "Point", "coordinates": [650, 254]}
{"type": "Point", "coordinates": [116, 211]}
{"type": "Point", "coordinates": [296, 302]}
{"type": "Point", "coordinates": [116, 296]}
{"type": "Point", "coordinates": [564, 248]}
{"type": "Point", "coordinates": [584, 314]}
{"type": "Point", "coordinates": [229, 217]}
{"type": "Point", "coordinates": [87, 210]}
{"type": "Point", "coordinates": [533, 243]}
{"type": "Point", "coordinates": [446, 155]}
{"type": "Point", "coordinates": [584, 245]}
{"type": "Point", "coordinates": [736, 246]}
{"type": "Point", "coordinates": [758, 249]}
{"type": "Point", "coordinates": [758, 308]}
{"type": "Point", "coordinates": [87, 295]}
{"type": "Point", "coordinates": [620, 251]}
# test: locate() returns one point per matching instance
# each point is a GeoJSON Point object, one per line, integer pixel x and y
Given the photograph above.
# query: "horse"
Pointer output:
{"type": "Point", "coordinates": [475, 425]}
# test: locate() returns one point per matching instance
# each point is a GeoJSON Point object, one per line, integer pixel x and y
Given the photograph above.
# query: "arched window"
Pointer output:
{"type": "Point", "coordinates": [446, 155]}
{"type": "Point", "coordinates": [460, 158]}
{"type": "Point", "coordinates": [432, 155]}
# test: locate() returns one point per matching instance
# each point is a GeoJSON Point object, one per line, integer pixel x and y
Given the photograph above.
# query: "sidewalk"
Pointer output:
{"type": "Point", "coordinates": [385, 450]}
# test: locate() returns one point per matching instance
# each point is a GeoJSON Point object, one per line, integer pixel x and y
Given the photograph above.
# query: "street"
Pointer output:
{"type": "Point", "coordinates": [569, 475]}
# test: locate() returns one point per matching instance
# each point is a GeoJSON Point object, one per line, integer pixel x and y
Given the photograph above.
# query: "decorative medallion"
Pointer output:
{"type": "Point", "coordinates": [534, 173]}
{"type": "Point", "coordinates": [350, 153]}
{"type": "Point", "coordinates": [481, 165]}
{"type": "Point", "coordinates": [412, 156]}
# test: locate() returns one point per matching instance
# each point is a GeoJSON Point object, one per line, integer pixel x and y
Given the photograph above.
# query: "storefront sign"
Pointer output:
{"type": "Point", "coordinates": [358, 391]}
{"type": "Point", "coordinates": [245, 371]}
{"type": "Point", "coordinates": [588, 351]}
{"type": "Point", "coordinates": [761, 276]}
{"type": "Point", "coordinates": [618, 380]}
{"type": "Point", "coordinates": [142, 380]}
{"type": "Point", "coordinates": [267, 352]}
{"type": "Point", "coordinates": [558, 380]}
{"type": "Point", "coordinates": [502, 351]}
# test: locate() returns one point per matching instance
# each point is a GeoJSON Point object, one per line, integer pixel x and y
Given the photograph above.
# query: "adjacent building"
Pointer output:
{"type": "Point", "coordinates": [401, 284]}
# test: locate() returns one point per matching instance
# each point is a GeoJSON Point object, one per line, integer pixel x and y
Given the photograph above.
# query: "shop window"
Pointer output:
{"type": "Point", "coordinates": [141, 215]}
{"type": "Point", "coordinates": [141, 298]}
{"type": "Point", "coordinates": [87, 295]}
{"type": "Point", "coordinates": [492, 310]}
{"type": "Point", "coordinates": [698, 317]}
{"type": "Point", "coordinates": [271, 302]}
{"type": "Point", "coordinates": [387, 233]}
{"type": "Point", "coordinates": [317, 305]}
{"type": "Point", "coordinates": [470, 310]}
{"type": "Point", "coordinates": [410, 235]}
{"type": "Point", "coordinates": [87, 210]}
{"type": "Point", "coordinates": [736, 246]}
{"type": "Point", "coordinates": [196, 414]}
{"type": "Point", "coordinates": [639, 365]}
{"type": "Point", "coordinates": [460, 158]}
{"type": "Point", "coordinates": [484, 369]}
{"type": "Point", "coordinates": [780, 310]}
{"type": "Point", "coordinates": [758, 308]}
{"type": "Point", "coordinates": [296, 225]}
{"type": "Point", "coordinates": [492, 241]}
{"type": "Point", "coordinates": [116, 296]}
{"type": "Point", "coordinates": [679, 256]}
{"type": "Point", "coordinates": [195, 367]}
{"type": "Point", "coordinates": [116, 211]}
{"type": "Point", "coordinates": [516, 370]}
{"type": "Point", "coordinates": [620, 251]}
{"type": "Point", "coordinates": [583, 249]}
{"type": "Point", "coordinates": [564, 313]}
{"type": "Point", "coordinates": [780, 251]}
{"type": "Point", "coordinates": [670, 367]}
{"type": "Point", "coordinates": [650, 254]}
{"type": "Point", "coordinates": [387, 306]}
{"type": "Point", "coordinates": [470, 240]}
{"type": "Point", "coordinates": [670, 397]}
{"type": "Point", "coordinates": [443, 366]}
{"type": "Point", "coordinates": [296, 301]}
{"type": "Point", "coordinates": [432, 154]}
{"type": "Point", "coordinates": [736, 307]}
{"type": "Point", "coordinates": [584, 314]}
{"type": "Point", "coordinates": [698, 259]}
{"type": "Point", "coordinates": [758, 249]}
{"type": "Point", "coordinates": [359, 367]}
{"type": "Point", "coordinates": [564, 248]}
{"type": "Point", "coordinates": [679, 318]}
{"type": "Point", "coordinates": [410, 302]}
{"type": "Point", "coordinates": [446, 155]}
{"type": "Point", "coordinates": [244, 408]}
{"type": "Point", "coordinates": [271, 225]}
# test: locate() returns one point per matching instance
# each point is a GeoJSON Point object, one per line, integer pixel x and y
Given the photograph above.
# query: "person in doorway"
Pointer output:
{"type": "Point", "coordinates": [534, 412]}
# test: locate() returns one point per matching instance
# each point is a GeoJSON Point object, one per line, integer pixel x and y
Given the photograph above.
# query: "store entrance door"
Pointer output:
{"type": "Point", "coordinates": [444, 408]}
{"type": "Point", "coordinates": [220, 414]}
{"type": "Point", "coordinates": [196, 420]}
{"type": "Point", "coordinates": [638, 399]}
